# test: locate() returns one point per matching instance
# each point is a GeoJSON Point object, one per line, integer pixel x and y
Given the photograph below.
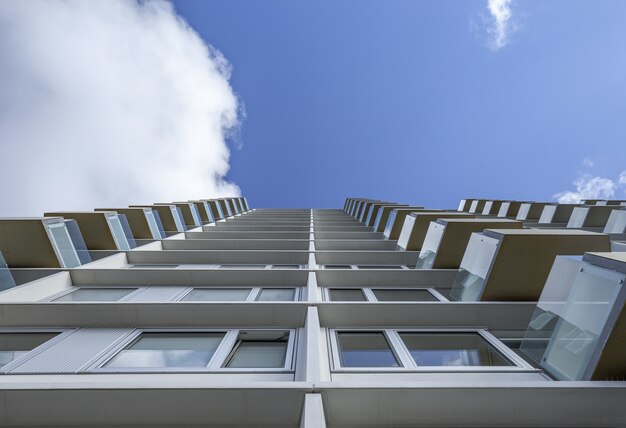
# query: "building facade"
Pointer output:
{"type": "Point", "coordinates": [214, 313]}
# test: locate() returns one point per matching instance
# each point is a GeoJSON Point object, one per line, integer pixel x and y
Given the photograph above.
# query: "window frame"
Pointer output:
{"type": "Point", "coordinates": [218, 358]}
{"type": "Point", "coordinates": [370, 297]}
{"type": "Point", "coordinates": [358, 266]}
{"type": "Point", "coordinates": [74, 288]}
{"type": "Point", "coordinates": [407, 363]}
{"type": "Point", "coordinates": [253, 295]}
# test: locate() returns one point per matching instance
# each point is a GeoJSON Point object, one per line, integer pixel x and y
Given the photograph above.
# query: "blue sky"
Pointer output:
{"type": "Point", "coordinates": [407, 100]}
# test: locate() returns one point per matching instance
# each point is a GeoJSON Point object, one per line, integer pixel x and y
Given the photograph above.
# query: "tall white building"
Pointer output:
{"type": "Point", "coordinates": [210, 313]}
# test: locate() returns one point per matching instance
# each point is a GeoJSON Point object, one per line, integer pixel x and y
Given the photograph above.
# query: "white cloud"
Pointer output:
{"type": "Point", "coordinates": [588, 163]}
{"type": "Point", "coordinates": [109, 103]}
{"type": "Point", "coordinates": [501, 23]}
{"type": "Point", "coordinates": [590, 187]}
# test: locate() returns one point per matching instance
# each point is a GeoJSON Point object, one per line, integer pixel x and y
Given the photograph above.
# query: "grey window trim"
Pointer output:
{"type": "Point", "coordinates": [408, 364]}
{"type": "Point", "coordinates": [63, 333]}
{"type": "Point", "coordinates": [217, 359]}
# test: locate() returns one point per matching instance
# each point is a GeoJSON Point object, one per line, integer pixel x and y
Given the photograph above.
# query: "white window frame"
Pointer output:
{"type": "Point", "coordinates": [371, 297]}
{"type": "Point", "coordinates": [218, 359]}
{"type": "Point", "coordinates": [407, 364]}
{"type": "Point", "coordinates": [138, 289]}
{"type": "Point", "coordinates": [253, 295]}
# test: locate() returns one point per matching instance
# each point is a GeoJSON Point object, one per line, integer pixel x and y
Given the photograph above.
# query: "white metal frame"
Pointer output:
{"type": "Point", "coordinates": [371, 297]}
{"type": "Point", "coordinates": [215, 365]}
{"type": "Point", "coordinates": [407, 364]}
{"type": "Point", "coordinates": [138, 289]}
{"type": "Point", "coordinates": [253, 294]}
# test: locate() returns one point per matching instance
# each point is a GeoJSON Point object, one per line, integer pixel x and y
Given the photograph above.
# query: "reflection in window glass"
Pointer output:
{"type": "Point", "coordinates": [195, 214]}
{"type": "Point", "coordinates": [365, 350]}
{"type": "Point", "coordinates": [95, 295]}
{"type": "Point", "coordinates": [451, 349]}
{"type": "Point", "coordinates": [426, 259]}
{"type": "Point", "coordinates": [258, 354]}
{"type": "Point", "coordinates": [402, 295]}
{"type": "Point", "coordinates": [217, 294]}
{"type": "Point", "coordinates": [578, 332]}
{"type": "Point", "coordinates": [276, 294]}
{"type": "Point", "coordinates": [168, 350]}
{"type": "Point", "coordinates": [14, 345]}
{"type": "Point", "coordinates": [346, 295]}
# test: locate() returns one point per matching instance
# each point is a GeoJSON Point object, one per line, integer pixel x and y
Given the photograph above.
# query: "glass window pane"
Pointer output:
{"type": "Point", "coordinates": [217, 294]}
{"type": "Point", "coordinates": [401, 295]}
{"type": "Point", "coordinates": [242, 266]}
{"type": "Point", "coordinates": [95, 295]}
{"type": "Point", "coordinates": [347, 295]}
{"type": "Point", "coordinates": [337, 267]}
{"type": "Point", "coordinates": [118, 232]}
{"type": "Point", "coordinates": [365, 350]}
{"type": "Point", "coordinates": [64, 245]}
{"type": "Point", "coordinates": [14, 345]}
{"type": "Point", "coordinates": [195, 214]}
{"type": "Point", "coordinates": [285, 266]}
{"type": "Point", "coordinates": [169, 350]}
{"type": "Point", "coordinates": [259, 354]}
{"type": "Point", "coordinates": [451, 349]}
{"type": "Point", "coordinates": [379, 267]}
{"type": "Point", "coordinates": [578, 333]}
{"type": "Point", "coordinates": [276, 294]}
{"type": "Point", "coordinates": [152, 224]}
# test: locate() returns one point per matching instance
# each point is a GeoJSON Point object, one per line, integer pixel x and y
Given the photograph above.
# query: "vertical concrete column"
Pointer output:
{"type": "Point", "coordinates": [313, 412]}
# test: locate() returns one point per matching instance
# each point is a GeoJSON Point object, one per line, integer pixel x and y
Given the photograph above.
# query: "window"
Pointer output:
{"type": "Point", "coordinates": [337, 267]}
{"type": "Point", "coordinates": [259, 350]}
{"type": "Point", "coordinates": [118, 232]}
{"type": "Point", "coordinates": [383, 295]}
{"type": "Point", "coordinates": [152, 224]}
{"type": "Point", "coordinates": [226, 350]}
{"type": "Point", "coordinates": [276, 294]}
{"type": "Point", "coordinates": [14, 345]}
{"type": "Point", "coordinates": [153, 266]}
{"type": "Point", "coordinates": [380, 267]}
{"type": "Point", "coordinates": [451, 349]}
{"type": "Point", "coordinates": [404, 295]}
{"type": "Point", "coordinates": [241, 266]}
{"type": "Point", "coordinates": [169, 350]}
{"type": "Point", "coordinates": [286, 266]}
{"type": "Point", "coordinates": [62, 242]}
{"type": "Point", "coordinates": [346, 295]}
{"type": "Point", "coordinates": [217, 295]}
{"type": "Point", "coordinates": [406, 350]}
{"type": "Point", "coordinates": [95, 295]}
{"type": "Point", "coordinates": [249, 294]}
{"type": "Point", "coordinates": [367, 349]}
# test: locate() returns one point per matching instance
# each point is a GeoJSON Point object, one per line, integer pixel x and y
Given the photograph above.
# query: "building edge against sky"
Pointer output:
{"type": "Point", "coordinates": [211, 312]}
